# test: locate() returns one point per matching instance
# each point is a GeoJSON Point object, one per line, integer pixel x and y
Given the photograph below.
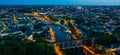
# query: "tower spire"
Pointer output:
{"type": "Point", "coordinates": [15, 19]}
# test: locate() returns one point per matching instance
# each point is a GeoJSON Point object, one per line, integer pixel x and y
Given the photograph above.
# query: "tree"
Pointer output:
{"type": "Point", "coordinates": [66, 17]}
{"type": "Point", "coordinates": [107, 40]}
{"type": "Point", "coordinates": [16, 47]}
{"type": "Point", "coordinates": [38, 25]}
{"type": "Point", "coordinates": [23, 28]}
{"type": "Point", "coordinates": [62, 22]}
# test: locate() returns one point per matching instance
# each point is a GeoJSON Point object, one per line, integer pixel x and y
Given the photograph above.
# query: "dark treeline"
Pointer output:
{"type": "Point", "coordinates": [13, 46]}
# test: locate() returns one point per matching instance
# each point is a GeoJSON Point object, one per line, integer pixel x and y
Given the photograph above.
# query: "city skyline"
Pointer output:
{"type": "Point", "coordinates": [60, 2]}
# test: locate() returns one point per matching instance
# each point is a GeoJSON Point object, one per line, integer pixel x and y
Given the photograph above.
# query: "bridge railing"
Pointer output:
{"type": "Point", "coordinates": [69, 43]}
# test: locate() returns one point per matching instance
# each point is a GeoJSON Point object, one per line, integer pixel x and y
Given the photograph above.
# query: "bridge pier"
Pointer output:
{"type": "Point", "coordinates": [58, 44]}
{"type": "Point", "coordinates": [63, 45]}
{"type": "Point", "coordinates": [73, 43]}
{"type": "Point", "coordinates": [68, 37]}
{"type": "Point", "coordinates": [84, 51]}
{"type": "Point", "coordinates": [68, 43]}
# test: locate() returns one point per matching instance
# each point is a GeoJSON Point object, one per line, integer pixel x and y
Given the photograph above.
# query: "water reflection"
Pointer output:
{"type": "Point", "coordinates": [60, 34]}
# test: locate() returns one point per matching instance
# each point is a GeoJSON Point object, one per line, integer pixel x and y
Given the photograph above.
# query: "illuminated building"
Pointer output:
{"type": "Point", "coordinates": [15, 19]}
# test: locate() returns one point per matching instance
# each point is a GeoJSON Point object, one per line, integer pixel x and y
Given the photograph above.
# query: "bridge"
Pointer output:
{"type": "Point", "coordinates": [70, 44]}
{"type": "Point", "coordinates": [77, 43]}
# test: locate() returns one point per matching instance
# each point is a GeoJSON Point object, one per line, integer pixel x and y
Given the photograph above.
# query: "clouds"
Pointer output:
{"type": "Point", "coordinates": [59, 2]}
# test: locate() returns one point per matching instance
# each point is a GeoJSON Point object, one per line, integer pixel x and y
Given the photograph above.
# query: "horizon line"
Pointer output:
{"type": "Point", "coordinates": [54, 5]}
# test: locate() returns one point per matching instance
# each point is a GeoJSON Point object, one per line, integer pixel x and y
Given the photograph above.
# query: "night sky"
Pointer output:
{"type": "Point", "coordinates": [59, 2]}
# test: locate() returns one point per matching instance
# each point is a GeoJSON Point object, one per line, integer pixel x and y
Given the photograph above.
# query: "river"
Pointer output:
{"type": "Point", "coordinates": [59, 34]}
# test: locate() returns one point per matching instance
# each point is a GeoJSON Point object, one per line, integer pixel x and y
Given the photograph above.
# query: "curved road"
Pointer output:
{"type": "Point", "coordinates": [4, 28]}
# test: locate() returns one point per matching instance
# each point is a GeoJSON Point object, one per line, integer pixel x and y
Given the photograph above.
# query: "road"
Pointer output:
{"type": "Point", "coordinates": [57, 49]}
{"type": "Point", "coordinates": [4, 28]}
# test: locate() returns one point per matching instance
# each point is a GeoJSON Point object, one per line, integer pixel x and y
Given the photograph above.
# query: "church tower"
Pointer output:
{"type": "Point", "coordinates": [15, 19]}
